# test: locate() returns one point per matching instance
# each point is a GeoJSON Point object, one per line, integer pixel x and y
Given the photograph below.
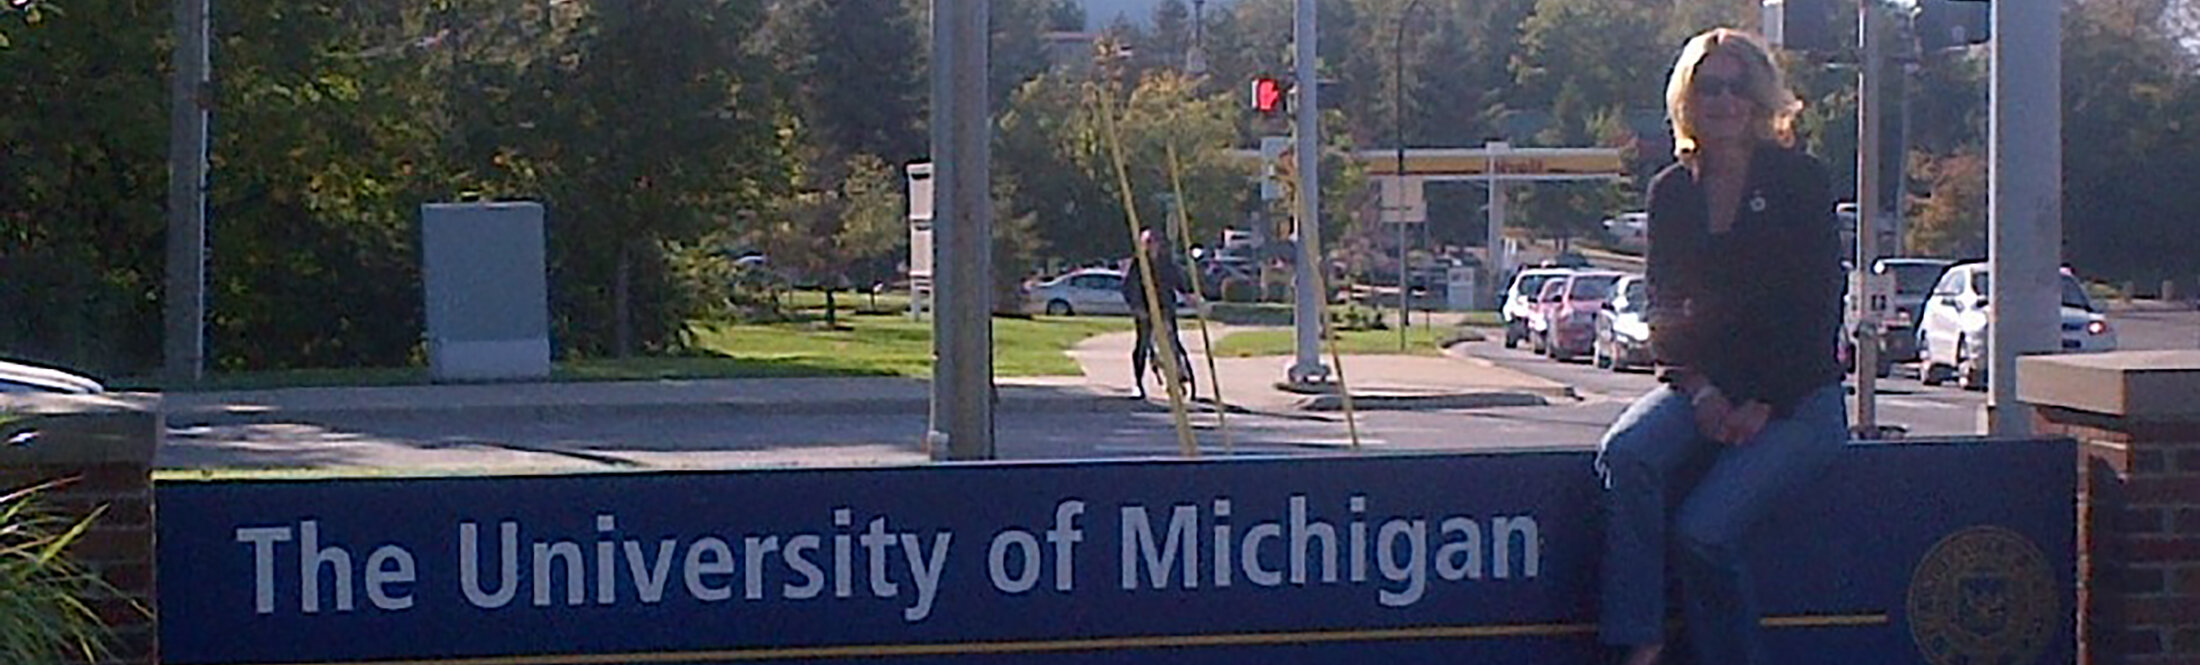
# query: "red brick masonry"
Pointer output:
{"type": "Point", "coordinates": [105, 451]}
{"type": "Point", "coordinates": [2139, 515]}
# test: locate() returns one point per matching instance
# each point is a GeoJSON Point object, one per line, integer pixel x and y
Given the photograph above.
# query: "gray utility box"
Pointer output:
{"type": "Point", "coordinates": [487, 292]}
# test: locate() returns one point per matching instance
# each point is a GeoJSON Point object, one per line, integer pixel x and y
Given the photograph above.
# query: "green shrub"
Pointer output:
{"type": "Point", "coordinates": [43, 614]}
{"type": "Point", "coordinates": [1238, 289]}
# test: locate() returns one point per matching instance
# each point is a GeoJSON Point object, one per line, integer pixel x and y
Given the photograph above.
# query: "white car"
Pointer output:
{"type": "Point", "coordinates": [21, 378]}
{"type": "Point", "coordinates": [1085, 291]}
{"type": "Point", "coordinates": [1952, 338]}
{"type": "Point", "coordinates": [1519, 307]}
{"type": "Point", "coordinates": [1623, 327]}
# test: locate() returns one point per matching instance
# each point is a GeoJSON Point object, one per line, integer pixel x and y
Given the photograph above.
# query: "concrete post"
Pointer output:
{"type": "Point", "coordinates": [962, 376]}
{"type": "Point", "coordinates": [104, 449]}
{"type": "Point", "coordinates": [2025, 197]}
{"type": "Point", "coordinates": [2136, 416]}
{"type": "Point", "coordinates": [184, 302]}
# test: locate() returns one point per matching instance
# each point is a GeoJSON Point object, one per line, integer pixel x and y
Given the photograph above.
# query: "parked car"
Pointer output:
{"type": "Point", "coordinates": [1082, 291]}
{"type": "Point", "coordinates": [1623, 327]}
{"type": "Point", "coordinates": [1519, 300]}
{"type": "Point", "coordinates": [1086, 291]}
{"type": "Point", "coordinates": [1568, 313]}
{"type": "Point", "coordinates": [1629, 231]}
{"type": "Point", "coordinates": [1952, 339]}
{"type": "Point", "coordinates": [21, 378]}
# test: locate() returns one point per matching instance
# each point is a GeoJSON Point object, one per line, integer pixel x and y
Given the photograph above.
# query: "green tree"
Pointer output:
{"type": "Point", "coordinates": [1065, 15]}
{"type": "Point", "coordinates": [822, 233]}
{"type": "Point", "coordinates": [858, 71]}
{"type": "Point", "coordinates": [668, 133]}
{"type": "Point", "coordinates": [82, 170]}
{"type": "Point", "coordinates": [1952, 220]}
{"type": "Point", "coordinates": [2129, 96]}
{"type": "Point", "coordinates": [20, 15]}
{"type": "Point", "coordinates": [1171, 36]}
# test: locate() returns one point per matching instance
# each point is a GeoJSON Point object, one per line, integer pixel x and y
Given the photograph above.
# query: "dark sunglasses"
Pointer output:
{"type": "Point", "coordinates": [1713, 86]}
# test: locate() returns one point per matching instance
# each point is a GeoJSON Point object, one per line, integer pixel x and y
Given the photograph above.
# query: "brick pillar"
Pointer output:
{"type": "Point", "coordinates": [2136, 416]}
{"type": "Point", "coordinates": [105, 448]}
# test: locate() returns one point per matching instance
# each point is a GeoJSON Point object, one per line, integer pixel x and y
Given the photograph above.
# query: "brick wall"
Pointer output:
{"type": "Point", "coordinates": [104, 449]}
{"type": "Point", "coordinates": [2136, 417]}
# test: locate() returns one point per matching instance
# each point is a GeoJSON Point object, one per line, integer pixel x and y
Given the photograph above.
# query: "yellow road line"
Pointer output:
{"type": "Point", "coordinates": [1100, 643]}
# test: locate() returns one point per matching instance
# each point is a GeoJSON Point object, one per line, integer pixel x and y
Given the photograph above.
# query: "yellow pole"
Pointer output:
{"type": "Point", "coordinates": [1344, 390]}
{"type": "Point", "coordinates": [1169, 369]}
{"type": "Point", "coordinates": [1206, 340]}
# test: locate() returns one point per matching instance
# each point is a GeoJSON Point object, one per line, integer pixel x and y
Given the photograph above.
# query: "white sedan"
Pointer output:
{"type": "Point", "coordinates": [21, 378]}
{"type": "Point", "coordinates": [1087, 291]}
{"type": "Point", "coordinates": [1952, 339]}
{"type": "Point", "coordinates": [1083, 291]}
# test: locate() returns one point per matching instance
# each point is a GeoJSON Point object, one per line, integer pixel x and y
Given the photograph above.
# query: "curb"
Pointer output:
{"type": "Point", "coordinates": [1377, 402]}
{"type": "Point", "coordinates": [219, 415]}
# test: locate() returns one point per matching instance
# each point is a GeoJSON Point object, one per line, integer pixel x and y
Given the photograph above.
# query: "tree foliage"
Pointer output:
{"type": "Point", "coordinates": [666, 135]}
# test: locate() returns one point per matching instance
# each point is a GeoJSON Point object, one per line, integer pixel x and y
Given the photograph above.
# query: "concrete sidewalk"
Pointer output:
{"type": "Point", "coordinates": [1377, 382]}
{"type": "Point", "coordinates": [778, 396]}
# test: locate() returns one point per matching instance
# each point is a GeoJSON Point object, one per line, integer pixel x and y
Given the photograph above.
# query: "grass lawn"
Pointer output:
{"type": "Point", "coordinates": [866, 345]}
{"type": "Point", "coordinates": [893, 345]}
{"type": "Point", "coordinates": [1420, 341]}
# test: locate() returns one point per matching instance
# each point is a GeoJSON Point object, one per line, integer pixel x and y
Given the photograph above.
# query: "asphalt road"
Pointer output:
{"type": "Point", "coordinates": [1921, 410]}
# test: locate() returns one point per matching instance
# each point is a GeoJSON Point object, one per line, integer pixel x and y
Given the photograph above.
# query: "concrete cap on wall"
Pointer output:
{"type": "Point", "coordinates": [50, 430]}
{"type": "Point", "coordinates": [2153, 386]}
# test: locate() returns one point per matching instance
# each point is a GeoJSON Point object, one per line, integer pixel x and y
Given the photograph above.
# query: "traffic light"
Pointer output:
{"type": "Point", "coordinates": [1267, 96]}
{"type": "Point", "coordinates": [1943, 24]}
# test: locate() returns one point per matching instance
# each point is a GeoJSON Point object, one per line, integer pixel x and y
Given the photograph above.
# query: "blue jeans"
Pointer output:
{"type": "Point", "coordinates": [1661, 476]}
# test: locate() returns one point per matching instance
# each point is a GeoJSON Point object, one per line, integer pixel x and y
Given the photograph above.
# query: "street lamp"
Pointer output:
{"type": "Point", "coordinates": [1398, 127]}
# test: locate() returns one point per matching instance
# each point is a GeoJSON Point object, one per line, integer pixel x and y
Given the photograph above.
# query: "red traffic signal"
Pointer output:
{"type": "Point", "coordinates": [1267, 96]}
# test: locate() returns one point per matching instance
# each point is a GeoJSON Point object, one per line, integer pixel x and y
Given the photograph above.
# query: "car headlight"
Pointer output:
{"type": "Point", "coordinates": [2096, 327]}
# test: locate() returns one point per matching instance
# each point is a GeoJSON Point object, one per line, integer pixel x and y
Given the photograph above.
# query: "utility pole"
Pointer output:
{"type": "Point", "coordinates": [1195, 58]}
{"type": "Point", "coordinates": [1871, 38]}
{"type": "Point", "coordinates": [1307, 367]}
{"type": "Point", "coordinates": [184, 299]}
{"type": "Point", "coordinates": [1398, 127]}
{"type": "Point", "coordinates": [962, 323]}
{"type": "Point", "coordinates": [2024, 246]}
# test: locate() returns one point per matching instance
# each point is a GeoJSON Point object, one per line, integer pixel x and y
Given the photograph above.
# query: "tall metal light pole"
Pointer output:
{"type": "Point", "coordinates": [1865, 353]}
{"type": "Point", "coordinates": [1398, 126]}
{"type": "Point", "coordinates": [1307, 365]}
{"type": "Point", "coordinates": [962, 324]}
{"type": "Point", "coordinates": [184, 299]}
{"type": "Point", "coordinates": [2025, 201]}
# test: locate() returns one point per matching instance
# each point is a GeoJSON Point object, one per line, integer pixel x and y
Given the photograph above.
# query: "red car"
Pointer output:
{"type": "Point", "coordinates": [1568, 311]}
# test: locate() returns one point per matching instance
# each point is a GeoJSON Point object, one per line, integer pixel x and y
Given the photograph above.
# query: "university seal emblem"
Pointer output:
{"type": "Point", "coordinates": [1982, 596]}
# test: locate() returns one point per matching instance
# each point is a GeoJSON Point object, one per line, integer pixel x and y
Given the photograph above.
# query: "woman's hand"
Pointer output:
{"type": "Point", "coordinates": [1742, 423]}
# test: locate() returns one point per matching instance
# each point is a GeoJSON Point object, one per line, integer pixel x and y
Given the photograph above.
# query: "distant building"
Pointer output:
{"type": "Point", "coordinates": [1071, 52]}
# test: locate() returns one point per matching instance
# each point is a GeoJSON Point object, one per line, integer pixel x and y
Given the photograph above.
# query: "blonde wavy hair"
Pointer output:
{"type": "Point", "coordinates": [1776, 106]}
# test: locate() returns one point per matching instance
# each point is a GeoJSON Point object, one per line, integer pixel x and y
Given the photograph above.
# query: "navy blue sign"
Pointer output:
{"type": "Point", "coordinates": [1922, 553]}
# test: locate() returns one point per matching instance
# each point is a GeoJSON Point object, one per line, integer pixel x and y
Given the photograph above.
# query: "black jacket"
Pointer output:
{"type": "Point", "coordinates": [1757, 310]}
{"type": "Point", "coordinates": [1171, 280]}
